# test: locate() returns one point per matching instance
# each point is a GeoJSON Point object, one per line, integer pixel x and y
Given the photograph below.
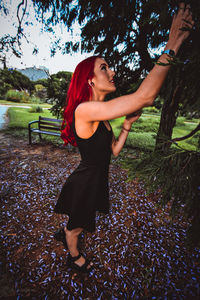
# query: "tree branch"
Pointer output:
{"type": "Point", "coordinates": [19, 31]}
{"type": "Point", "coordinates": [188, 135]}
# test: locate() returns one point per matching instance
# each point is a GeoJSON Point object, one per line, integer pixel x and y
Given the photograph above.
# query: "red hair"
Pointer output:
{"type": "Point", "coordinates": [79, 91]}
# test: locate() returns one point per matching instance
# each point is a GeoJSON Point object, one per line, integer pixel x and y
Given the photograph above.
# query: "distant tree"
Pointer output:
{"type": "Point", "coordinates": [57, 86]}
{"type": "Point", "coordinates": [40, 92]}
{"type": "Point", "coordinates": [13, 79]}
{"type": "Point", "coordinates": [43, 82]}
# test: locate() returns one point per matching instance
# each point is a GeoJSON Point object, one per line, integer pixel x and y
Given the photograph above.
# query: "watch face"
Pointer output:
{"type": "Point", "coordinates": [171, 53]}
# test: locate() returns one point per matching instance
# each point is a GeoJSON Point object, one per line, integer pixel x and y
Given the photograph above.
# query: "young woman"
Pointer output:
{"type": "Point", "coordinates": [86, 125]}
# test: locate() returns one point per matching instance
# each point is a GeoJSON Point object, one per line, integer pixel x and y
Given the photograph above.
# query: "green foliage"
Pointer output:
{"type": "Point", "coordinates": [36, 109]}
{"type": "Point", "coordinates": [151, 109]}
{"type": "Point", "coordinates": [40, 91]}
{"type": "Point", "coordinates": [4, 87]}
{"type": "Point", "coordinates": [177, 177]}
{"type": "Point", "coordinates": [35, 100]}
{"type": "Point", "coordinates": [141, 140]}
{"type": "Point", "coordinates": [16, 96]}
{"type": "Point", "coordinates": [43, 82]}
{"type": "Point", "coordinates": [12, 79]}
{"type": "Point", "coordinates": [57, 86]}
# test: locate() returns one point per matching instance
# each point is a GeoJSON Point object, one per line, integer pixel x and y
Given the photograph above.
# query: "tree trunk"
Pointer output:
{"type": "Point", "coordinates": [168, 120]}
{"type": "Point", "coordinates": [3, 60]}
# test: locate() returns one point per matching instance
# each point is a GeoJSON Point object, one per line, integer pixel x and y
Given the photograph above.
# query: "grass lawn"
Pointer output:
{"type": "Point", "coordinates": [142, 135]}
{"type": "Point", "coordinates": [5, 102]}
{"type": "Point", "coordinates": [20, 117]}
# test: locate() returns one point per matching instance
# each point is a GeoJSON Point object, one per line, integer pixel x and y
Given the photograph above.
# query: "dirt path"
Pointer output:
{"type": "Point", "coordinates": [137, 252]}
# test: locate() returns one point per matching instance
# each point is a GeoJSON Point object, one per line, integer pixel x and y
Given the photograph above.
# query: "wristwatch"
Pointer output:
{"type": "Point", "coordinates": [169, 52]}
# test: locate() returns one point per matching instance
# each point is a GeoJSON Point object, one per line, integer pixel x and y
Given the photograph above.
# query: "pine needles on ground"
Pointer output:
{"type": "Point", "coordinates": [177, 177]}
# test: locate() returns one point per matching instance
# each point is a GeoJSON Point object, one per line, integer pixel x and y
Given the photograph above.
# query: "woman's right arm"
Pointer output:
{"type": "Point", "coordinates": [150, 87]}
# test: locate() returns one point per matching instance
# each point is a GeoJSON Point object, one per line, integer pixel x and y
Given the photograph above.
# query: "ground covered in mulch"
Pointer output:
{"type": "Point", "coordinates": [138, 253]}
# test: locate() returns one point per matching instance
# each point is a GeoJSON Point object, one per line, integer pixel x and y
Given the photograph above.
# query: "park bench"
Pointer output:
{"type": "Point", "coordinates": [45, 126]}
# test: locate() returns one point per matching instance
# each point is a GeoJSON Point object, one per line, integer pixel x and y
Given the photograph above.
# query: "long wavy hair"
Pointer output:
{"type": "Point", "coordinates": [79, 91]}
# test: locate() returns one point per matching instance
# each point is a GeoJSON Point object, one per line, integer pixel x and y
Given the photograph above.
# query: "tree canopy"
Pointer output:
{"type": "Point", "coordinates": [57, 85]}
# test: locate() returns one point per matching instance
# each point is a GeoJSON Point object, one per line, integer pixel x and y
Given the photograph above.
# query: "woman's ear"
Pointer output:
{"type": "Point", "coordinates": [90, 82]}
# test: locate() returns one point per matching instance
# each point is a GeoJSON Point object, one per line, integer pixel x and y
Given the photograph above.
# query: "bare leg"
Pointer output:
{"type": "Point", "coordinates": [72, 242]}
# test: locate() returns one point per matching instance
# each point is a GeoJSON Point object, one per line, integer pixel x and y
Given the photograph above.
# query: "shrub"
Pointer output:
{"type": "Point", "coordinates": [40, 92]}
{"type": "Point", "coordinates": [35, 100]}
{"type": "Point", "coordinates": [142, 140]}
{"type": "Point", "coordinates": [36, 109]}
{"type": "Point", "coordinates": [17, 96]}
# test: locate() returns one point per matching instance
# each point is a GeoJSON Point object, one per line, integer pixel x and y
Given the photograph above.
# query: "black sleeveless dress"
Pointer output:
{"type": "Point", "coordinates": [86, 189]}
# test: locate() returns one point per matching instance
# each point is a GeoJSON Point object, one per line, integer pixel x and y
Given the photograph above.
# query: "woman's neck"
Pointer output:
{"type": "Point", "coordinates": [97, 96]}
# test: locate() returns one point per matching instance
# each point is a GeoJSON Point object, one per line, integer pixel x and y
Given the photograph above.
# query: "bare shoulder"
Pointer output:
{"type": "Point", "coordinates": [88, 105]}
{"type": "Point", "coordinates": [87, 109]}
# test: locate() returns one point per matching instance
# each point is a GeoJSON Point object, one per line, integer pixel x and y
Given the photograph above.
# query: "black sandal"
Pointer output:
{"type": "Point", "coordinates": [59, 235]}
{"type": "Point", "coordinates": [84, 268]}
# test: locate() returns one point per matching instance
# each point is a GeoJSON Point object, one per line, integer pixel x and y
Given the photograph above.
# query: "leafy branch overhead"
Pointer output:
{"type": "Point", "coordinates": [126, 33]}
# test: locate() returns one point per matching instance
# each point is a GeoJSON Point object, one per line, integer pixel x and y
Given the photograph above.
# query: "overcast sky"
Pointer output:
{"type": "Point", "coordinates": [42, 40]}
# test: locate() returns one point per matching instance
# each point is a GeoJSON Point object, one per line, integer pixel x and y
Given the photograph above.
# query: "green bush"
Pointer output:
{"type": "Point", "coordinates": [35, 100]}
{"type": "Point", "coordinates": [40, 92]}
{"type": "Point", "coordinates": [151, 109]}
{"type": "Point", "coordinates": [36, 109]}
{"type": "Point", "coordinates": [142, 140]}
{"type": "Point", "coordinates": [17, 96]}
{"type": "Point", "coordinates": [4, 87]}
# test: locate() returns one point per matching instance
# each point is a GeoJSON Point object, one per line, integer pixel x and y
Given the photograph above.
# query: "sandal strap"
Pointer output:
{"type": "Point", "coordinates": [87, 262]}
{"type": "Point", "coordinates": [74, 258]}
{"type": "Point", "coordinates": [82, 268]}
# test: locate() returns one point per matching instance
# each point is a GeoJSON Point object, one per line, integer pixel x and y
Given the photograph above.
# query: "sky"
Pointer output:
{"type": "Point", "coordinates": [41, 39]}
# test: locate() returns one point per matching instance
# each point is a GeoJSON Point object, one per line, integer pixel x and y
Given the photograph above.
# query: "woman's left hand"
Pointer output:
{"type": "Point", "coordinates": [130, 119]}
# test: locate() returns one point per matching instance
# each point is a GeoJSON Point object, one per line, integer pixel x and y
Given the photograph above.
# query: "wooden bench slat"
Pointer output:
{"type": "Point", "coordinates": [51, 126]}
{"type": "Point", "coordinates": [49, 119]}
{"type": "Point", "coordinates": [45, 132]}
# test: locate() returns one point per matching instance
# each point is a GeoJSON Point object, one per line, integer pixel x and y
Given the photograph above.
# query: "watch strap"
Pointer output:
{"type": "Point", "coordinates": [169, 52]}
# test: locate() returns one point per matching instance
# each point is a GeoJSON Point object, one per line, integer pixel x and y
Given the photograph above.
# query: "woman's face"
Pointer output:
{"type": "Point", "coordinates": [103, 77]}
